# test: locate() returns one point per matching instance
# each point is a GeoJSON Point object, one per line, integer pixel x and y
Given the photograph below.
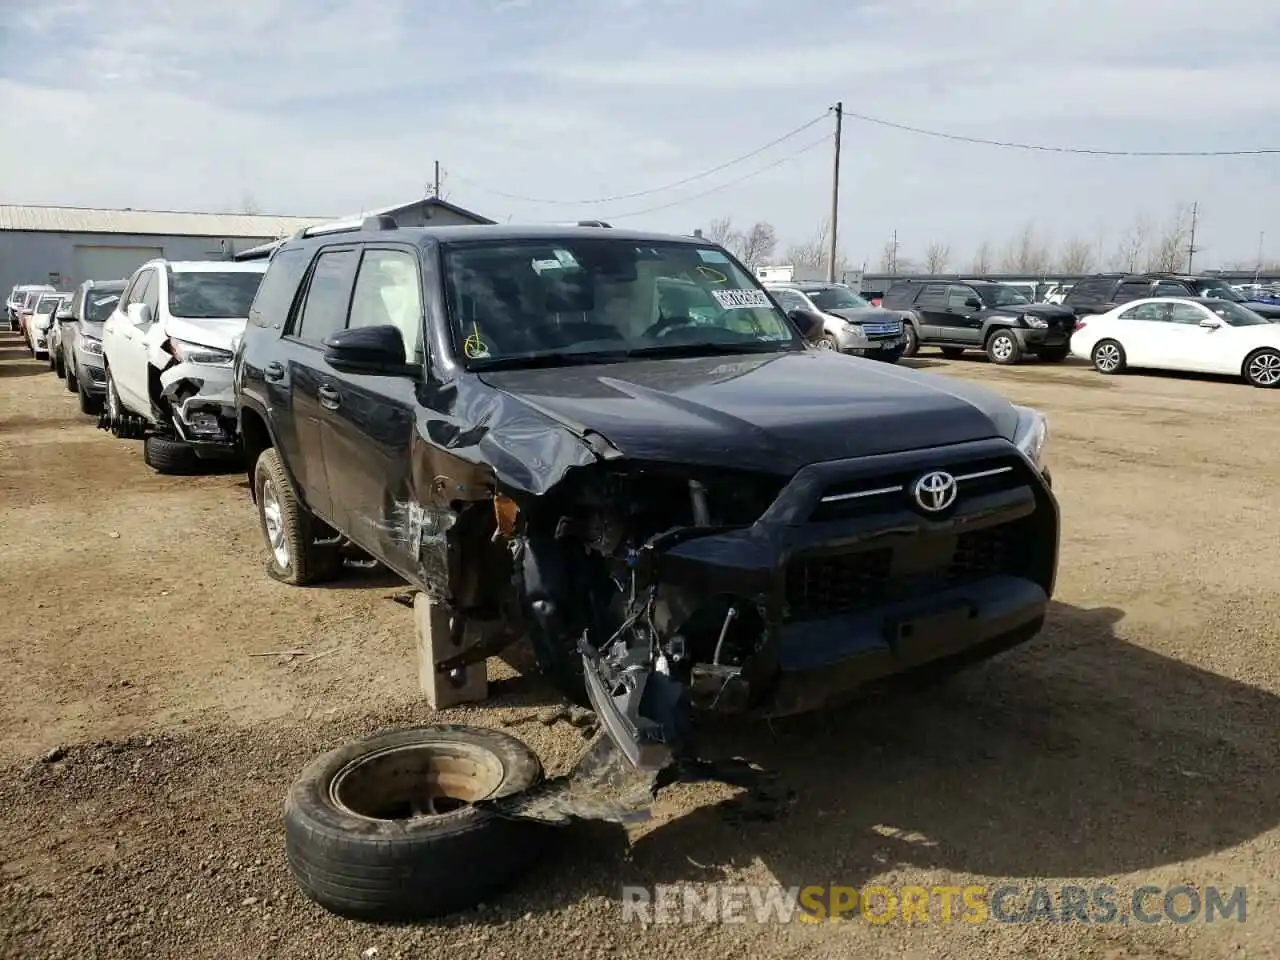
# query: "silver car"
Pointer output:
{"type": "Point", "coordinates": [850, 323]}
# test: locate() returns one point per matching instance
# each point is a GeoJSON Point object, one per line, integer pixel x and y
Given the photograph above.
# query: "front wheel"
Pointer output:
{"type": "Point", "coordinates": [1262, 368]}
{"type": "Point", "coordinates": [1003, 348]}
{"type": "Point", "coordinates": [172, 457]}
{"type": "Point", "coordinates": [59, 367]}
{"type": "Point", "coordinates": [290, 528]}
{"type": "Point", "coordinates": [912, 346]}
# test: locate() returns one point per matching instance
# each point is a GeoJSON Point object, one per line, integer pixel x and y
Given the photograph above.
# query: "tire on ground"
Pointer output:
{"type": "Point", "coordinates": [997, 354]}
{"type": "Point", "coordinates": [89, 404]}
{"type": "Point", "coordinates": [912, 345]}
{"type": "Point", "coordinates": [359, 845]}
{"type": "Point", "coordinates": [169, 456]}
{"type": "Point", "coordinates": [308, 563]}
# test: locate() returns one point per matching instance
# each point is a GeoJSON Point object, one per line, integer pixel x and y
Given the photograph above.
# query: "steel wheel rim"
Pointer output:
{"type": "Point", "coordinates": [1002, 347]}
{"type": "Point", "coordinates": [416, 781]}
{"type": "Point", "coordinates": [273, 519]}
{"type": "Point", "coordinates": [1107, 358]}
{"type": "Point", "coordinates": [825, 344]}
{"type": "Point", "coordinates": [1264, 369]}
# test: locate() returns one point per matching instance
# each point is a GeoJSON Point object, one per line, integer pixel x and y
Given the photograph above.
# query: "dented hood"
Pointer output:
{"type": "Point", "coordinates": [774, 413]}
{"type": "Point", "coordinates": [219, 333]}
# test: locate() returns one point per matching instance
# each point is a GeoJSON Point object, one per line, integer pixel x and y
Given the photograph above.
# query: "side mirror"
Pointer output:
{"type": "Point", "coordinates": [139, 314]}
{"type": "Point", "coordinates": [372, 350]}
{"type": "Point", "coordinates": [1210, 323]}
{"type": "Point", "coordinates": [973, 303]}
{"type": "Point", "coordinates": [810, 323]}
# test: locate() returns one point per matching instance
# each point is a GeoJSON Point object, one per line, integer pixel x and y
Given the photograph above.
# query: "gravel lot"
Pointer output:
{"type": "Point", "coordinates": [146, 742]}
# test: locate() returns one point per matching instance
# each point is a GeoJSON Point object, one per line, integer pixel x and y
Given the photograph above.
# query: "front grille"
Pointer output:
{"type": "Point", "coordinates": [853, 582]}
{"type": "Point", "coordinates": [884, 493]}
{"type": "Point", "coordinates": [882, 329]}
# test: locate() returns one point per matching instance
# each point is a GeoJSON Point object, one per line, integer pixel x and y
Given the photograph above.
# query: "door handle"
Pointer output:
{"type": "Point", "coordinates": [273, 371]}
{"type": "Point", "coordinates": [330, 399]}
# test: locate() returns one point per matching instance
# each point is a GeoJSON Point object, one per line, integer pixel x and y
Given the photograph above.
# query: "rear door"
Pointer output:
{"type": "Point", "coordinates": [1143, 332]}
{"type": "Point", "coordinates": [312, 386]}
{"type": "Point", "coordinates": [125, 351]}
{"type": "Point", "coordinates": [963, 320]}
{"type": "Point", "coordinates": [369, 430]}
{"type": "Point", "coordinates": [931, 308]}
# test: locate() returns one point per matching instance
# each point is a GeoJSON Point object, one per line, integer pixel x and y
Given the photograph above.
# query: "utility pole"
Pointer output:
{"type": "Point", "coordinates": [1191, 244]}
{"type": "Point", "coordinates": [893, 254]}
{"type": "Point", "coordinates": [1257, 270]}
{"type": "Point", "coordinates": [436, 194]}
{"type": "Point", "coordinates": [835, 194]}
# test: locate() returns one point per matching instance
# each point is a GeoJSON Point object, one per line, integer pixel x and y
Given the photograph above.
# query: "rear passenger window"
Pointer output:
{"type": "Point", "coordinates": [271, 304]}
{"type": "Point", "coordinates": [934, 295]}
{"type": "Point", "coordinates": [324, 311]}
{"type": "Point", "coordinates": [1090, 290]}
{"type": "Point", "coordinates": [1132, 290]}
{"type": "Point", "coordinates": [1170, 288]}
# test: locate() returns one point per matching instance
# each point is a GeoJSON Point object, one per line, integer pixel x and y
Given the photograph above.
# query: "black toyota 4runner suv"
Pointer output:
{"type": "Point", "coordinates": [1105, 291]}
{"type": "Point", "coordinates": [680, 512]}
{"type": "Point", "coordinates": [980, 315]}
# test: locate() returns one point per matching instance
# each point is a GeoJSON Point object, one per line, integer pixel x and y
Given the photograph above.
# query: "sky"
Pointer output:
{"type": "Point", "coordinates": [316, 107]}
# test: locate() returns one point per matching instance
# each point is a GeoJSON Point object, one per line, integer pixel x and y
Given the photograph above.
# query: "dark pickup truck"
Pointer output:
{"type": "Point", "coordinates": [681, 513]}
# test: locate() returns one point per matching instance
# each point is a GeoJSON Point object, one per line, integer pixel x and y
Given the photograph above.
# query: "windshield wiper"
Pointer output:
{"type": "Point", "coordinates": [708, 349]}
{"type": "Point", "coordinates": [533, 361]}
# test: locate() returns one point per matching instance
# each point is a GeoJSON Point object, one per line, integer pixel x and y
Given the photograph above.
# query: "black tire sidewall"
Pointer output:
{"type": "Point", "coordinates": [404, 870]}
{"type": "Point", "coordinates": [1249, 359]}
{"type": "Point", "coordinates": [268, 468]}
{"type": "Point", "coordinates": [912, 346]}
{"type": "Point", "coordinates": [1093, 357]}
{"type": "Point", "coordinates": [168, 456]}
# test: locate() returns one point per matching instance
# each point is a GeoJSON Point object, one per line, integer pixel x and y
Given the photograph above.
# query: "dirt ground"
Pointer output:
{"type": "Point", "coordinates": [149, 728]}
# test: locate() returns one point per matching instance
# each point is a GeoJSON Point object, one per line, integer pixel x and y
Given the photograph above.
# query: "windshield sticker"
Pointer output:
{"type": "Point", "coordinates": [715, 276]}
{"type": "Point", "coordinates": [566, 258]}
{"type": "Point", "coordinates": [474, 347]}
{"type": "Point", "coordinates": [741, 299]}
{"type": "Point", "coordinates": [540, 265]}
{"type": "Point", "coordinates": [103, 301]}
{"type": "Point", "coordinates": [712, 256]}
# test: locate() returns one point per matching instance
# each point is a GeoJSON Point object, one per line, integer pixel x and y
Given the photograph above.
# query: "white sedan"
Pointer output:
{"type": "Point", "coordinates": [1182, 333]}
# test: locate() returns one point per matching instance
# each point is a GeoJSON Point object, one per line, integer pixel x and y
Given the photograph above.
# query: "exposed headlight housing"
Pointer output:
{"type": "Point", "coordinates": [185, 352]}
{"type": "Point", "coordinates": [89, 345]}
{"type": "Point", "coordinates": [1038, 323]}
{"type": "Point", "coordinates": [1031, 435]}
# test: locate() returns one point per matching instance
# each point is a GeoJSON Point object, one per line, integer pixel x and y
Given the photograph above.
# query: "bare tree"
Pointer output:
{"type": "Point", "coordinates": [757, 244]}
{"type": "Point", "coordinates": [1132, 248]}
{"type": "Point", "coordinates": [1027, 253]}
{"type": "Point", "coordinates": [721, 231]}
{"type": "Point", "coordinates": [815, 253]}
{"type": "Point", "coordinates": [983, 259]}
{"type": "Point", "coordinates": [937, 257]}
{"type": "Point", "coordinates": [249, 205]}
{"type": "Point", "coordinates": [1167, 250]}
{"type": "Point", "coordinates": [1077, 256]}
{"type": "Point", "coordinates": [889, 257]}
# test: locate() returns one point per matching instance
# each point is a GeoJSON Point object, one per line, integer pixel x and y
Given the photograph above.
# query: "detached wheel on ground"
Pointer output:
{"type": "Point", "coordinates": [385, 829]}
{"type": "Point", "coordinates": [1262, 368]}
{"type": "Point", "coordinates": [1108, 357]}
{"type": "Point", "coordinates": [952, 353]}
{"type": "Point", "coordinates": [1003, 348]}
{"type": "Point", "coordinates": [169, 456]}
{"type": "Point", "coordinates": [290, 528]}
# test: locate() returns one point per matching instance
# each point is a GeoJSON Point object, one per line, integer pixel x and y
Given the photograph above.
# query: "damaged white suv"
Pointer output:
{"type": "Point", "coordinates": [167, 348]}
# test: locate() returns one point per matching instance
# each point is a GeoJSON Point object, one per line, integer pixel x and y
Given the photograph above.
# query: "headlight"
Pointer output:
{"type": "Point", "coordinates": [90, 345]}
{"type": "Point", "coordinates": [196, 353]}
{"type": "Point", "coordinates": [1031, 435]}
{"type": "Point", "coordinates": [1038, 323]}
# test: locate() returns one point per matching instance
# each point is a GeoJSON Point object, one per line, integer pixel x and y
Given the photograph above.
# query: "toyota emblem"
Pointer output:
{"type": "Point", "coordinates": [935, 491]}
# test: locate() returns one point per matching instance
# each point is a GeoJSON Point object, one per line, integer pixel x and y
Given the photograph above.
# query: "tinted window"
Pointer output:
{"type": "Point", "coordinates": [1169, 288]}
{"type": "Point", "coordinates": [1151, 312]}
{"type": "Point", "coordinates": [387, 292]}
{"type": "Point", "coordinates": [1091, 290]}
{"type": "Point", "coordinates": [899, 295]}
{"type": "Point", "coordinates": [958, 297]}
{"type": "Point", "coordinates": [1132, 290]}
{"type": "Point", "coordinates": [46, 306]}
{"type": "Point", "coordinates": [206, 295]}
{"type": "Point", "coordinates": [1002, 295]}
{"type": "Point", "coordinates": [1187, 313]}
{"type": "Point", "coordinates": [790, 300]}
{"type": "Point", "coordinates": [1237, 315]}
{"type": "Point", "coordinates": [837, 298]}
{"type": "Point", "coordinates": [1219, 288]}
{"type": "Point", "coordinates": [324, 312]}
{"type": "Point", "coordinates": [933, 295]}
{"type": "Point", "coordinates": [271, 304]}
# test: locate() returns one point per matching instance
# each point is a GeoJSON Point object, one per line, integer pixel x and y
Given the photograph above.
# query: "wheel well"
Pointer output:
{"type": "Point", "coordinates": [993, 330]}
{"type": "Point", "coordinates": [1244, 366]}
{"type": "Point", "coordinates": [254, 438]}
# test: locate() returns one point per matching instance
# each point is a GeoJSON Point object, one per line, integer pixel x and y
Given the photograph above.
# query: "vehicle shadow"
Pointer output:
{"type": "Point", "coordinates": [20, 364]}
{"type": "Point", "coordinates": [1077, 755]}
{"type": "Point", "coordinates": [920, 363]}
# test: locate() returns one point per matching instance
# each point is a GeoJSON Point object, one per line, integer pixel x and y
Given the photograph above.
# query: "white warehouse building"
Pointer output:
{"type": "Point", "coordinates": [64, 246]}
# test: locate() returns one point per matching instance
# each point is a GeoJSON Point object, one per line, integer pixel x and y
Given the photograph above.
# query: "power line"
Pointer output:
{"type": "Point", "coordinates": [644, 193]}
{"type": "Point", "coordinates": [1046, 148]}
{"type": "Point", "coordinates": [825, 141]}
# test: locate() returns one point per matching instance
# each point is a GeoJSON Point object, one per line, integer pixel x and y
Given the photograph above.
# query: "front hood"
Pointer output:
{"type": "Point", "coordinates": [219, 333]}
{"type": "Point", "coordinates": [88, 328]}
{"type": "Point", "coordinates": [771, 414]}
{"type": "Point", "coordinates": [1263, 309]}
{"type": "Point", "coordinates": [866, 315]}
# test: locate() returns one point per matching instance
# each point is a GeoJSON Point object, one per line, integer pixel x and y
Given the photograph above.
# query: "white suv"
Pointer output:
{"type": "Point", "coordinates": [168, 347]}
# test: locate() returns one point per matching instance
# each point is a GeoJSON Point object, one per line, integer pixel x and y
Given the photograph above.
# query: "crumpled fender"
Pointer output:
{"type": "Point", "coordinates": [215, 384]}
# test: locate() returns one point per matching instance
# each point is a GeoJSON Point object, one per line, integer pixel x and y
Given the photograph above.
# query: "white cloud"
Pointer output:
{"type": "Point", "coordinates": [314, 108]}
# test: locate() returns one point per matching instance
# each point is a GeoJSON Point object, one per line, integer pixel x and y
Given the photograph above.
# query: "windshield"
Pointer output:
{"type": "Point", "coordinates": [201, 295]}
{"type": "Point", "coordinates": [514, 300]}
{"type": "Point", "coordinates": [837, 298]}
{"type": "Point", "coordinates": [1235, 314]}
{"type": "Point", "coordinates": [1219, 289]}
{"type": "Point", "coordinates": [1000, 295]}
{"type": "Point", "coordinates": [100, 303]}
{"type": "Point", "coordinates": [46, 306]}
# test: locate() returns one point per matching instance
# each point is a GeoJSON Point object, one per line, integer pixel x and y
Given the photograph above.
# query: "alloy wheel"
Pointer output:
{"type": "Point", "coordinates": [273, 518]}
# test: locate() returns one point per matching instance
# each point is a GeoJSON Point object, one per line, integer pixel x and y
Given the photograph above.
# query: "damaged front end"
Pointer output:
{"type": "Point", "coordinates": [194, 395]}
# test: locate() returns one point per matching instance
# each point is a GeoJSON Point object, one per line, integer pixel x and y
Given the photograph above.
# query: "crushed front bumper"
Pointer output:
{"type": "Point", "coordinates": [201, 398]}
{"type": "Point", "coordinates": [852, 585]}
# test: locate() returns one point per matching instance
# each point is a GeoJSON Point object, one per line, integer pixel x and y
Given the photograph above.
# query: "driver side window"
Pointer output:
{"type": "Point", "coordinates": [1152, 312]}
{"type": "Point", "coordinates": [958, 297]}
{"type": "Point", "coordinates": [790, 300]}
